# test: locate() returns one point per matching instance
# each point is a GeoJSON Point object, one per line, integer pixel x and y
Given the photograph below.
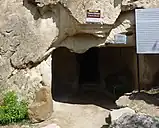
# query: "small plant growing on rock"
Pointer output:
{"type": "Point", "coordinates": [12, 109]}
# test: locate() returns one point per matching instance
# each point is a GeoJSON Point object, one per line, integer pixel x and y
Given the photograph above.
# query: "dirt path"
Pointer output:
{"type": "Point", "coordinates": [84, 112]}
{"type": "Point", "coordinates": [87, 110]}
{"type": "Point", "coordinates": [79, 116]}
{"type": "Point", "coordinates": [74, 116]}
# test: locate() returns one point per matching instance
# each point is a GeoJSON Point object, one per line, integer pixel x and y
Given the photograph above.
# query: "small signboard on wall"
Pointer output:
{"type": "Point", "coordinates": [93, 16]}
{"type": "Point", "coordinates": [147, 31]}
{"type": "Point", "coordinates": [120, 39]}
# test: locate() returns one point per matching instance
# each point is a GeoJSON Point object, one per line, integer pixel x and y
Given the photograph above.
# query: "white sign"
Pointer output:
{"type": "Point", "coordinates": [147, 30]}
{"type": "Point", "coordinates": [93, 20]}
{"type": "Point", "coordinates": [93, 16]}
{"type": "Point", "coordinates": [120, 39]}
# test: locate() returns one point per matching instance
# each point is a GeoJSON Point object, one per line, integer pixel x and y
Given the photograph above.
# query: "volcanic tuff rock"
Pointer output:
{"type": "Point", "coordinates": [42, 108]}
{"type": "Point", "coordinates": [31, 29]}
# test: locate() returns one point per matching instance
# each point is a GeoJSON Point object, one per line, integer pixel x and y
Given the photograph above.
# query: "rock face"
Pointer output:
{"type": "Point", "coordinates": [135, 121]}
{"type": "Point", "coordinates": [31, 29]}
{"type": "Point", "coordinates": [42, 107]}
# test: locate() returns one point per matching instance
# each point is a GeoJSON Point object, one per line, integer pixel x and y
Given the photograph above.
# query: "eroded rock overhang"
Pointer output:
{"type": "Point", "coordinates": [32, 29]}
{"type": "Point", "coordinates": [72, 24]}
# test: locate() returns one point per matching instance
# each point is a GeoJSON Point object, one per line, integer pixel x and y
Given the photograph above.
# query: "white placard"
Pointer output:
{"type": "Point", "coordinates": [120, 39]}
{"type": "Point", "coordinates": [93, 16]}
{"type": "Point", "coordinates": [93, 20]}
{"type": "Point", "coordinates": [147, 31]}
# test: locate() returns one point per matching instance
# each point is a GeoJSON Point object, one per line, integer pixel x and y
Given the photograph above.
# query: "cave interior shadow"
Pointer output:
{"type": "Point", "coordinates": [86, 97]}
{"type": "Point", "coordinates": [61, 93]}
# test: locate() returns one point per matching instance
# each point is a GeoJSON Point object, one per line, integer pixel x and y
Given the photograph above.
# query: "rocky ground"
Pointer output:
{"type": "Point", "coordinates": [92, 111]}
{"type": "Point", "coordinates": [88, 111]}
{"type": "Point", "coordinates": [79, 116]}
{"type": "Point", "coordinates": [73, 116]}
{"type": "Point", "coordinates": [75, 113]}
{"type": "Point", "coordinates": [128, 120]}
{"type": "Point", "coordinates": [144, 102]}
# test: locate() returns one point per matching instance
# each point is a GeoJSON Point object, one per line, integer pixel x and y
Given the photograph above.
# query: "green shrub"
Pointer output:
{"type": "Point", "coordinates": [12, 109]}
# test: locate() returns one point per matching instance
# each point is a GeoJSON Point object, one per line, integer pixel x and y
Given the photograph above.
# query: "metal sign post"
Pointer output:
{"type": "Point", "coordinates": [138, 73]}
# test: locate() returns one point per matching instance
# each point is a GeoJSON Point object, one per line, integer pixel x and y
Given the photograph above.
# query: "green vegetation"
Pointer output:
{"type": "Point", "coordinates": [12, 109]}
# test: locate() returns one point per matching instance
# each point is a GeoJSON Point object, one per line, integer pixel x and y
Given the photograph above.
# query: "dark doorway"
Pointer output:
{"type": "Point", "coordinates": [80, 72]}
{"type": "Point", "coordinates": [88, 68]}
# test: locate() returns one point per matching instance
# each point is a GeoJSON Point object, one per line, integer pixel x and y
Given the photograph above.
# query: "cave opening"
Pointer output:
{"type": "Point", "coordinates": [91, 76]}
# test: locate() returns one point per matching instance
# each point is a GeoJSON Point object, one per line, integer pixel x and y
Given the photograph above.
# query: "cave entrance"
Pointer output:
{"type": "Point", "coordinates": [97, 72]}
{"type": "Point", "coordinates": [88, 67]}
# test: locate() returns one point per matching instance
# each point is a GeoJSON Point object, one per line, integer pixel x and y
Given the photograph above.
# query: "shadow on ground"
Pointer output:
{"type": "Point", "coordinates": [88, 97]}
{"type": "Point", "coordinates": [147, 97]}
{"type": "Point", "coordinates": [105, 126]}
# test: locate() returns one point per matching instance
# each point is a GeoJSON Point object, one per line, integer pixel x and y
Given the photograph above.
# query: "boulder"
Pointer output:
{"type": "Point", "coordinates": [42, 108]}
{"type": "Point", "coordinates": [128, 120]}
{"type": "Point", "coordinates": [115, 114]}
{"type": "Point", "coordinates": [123, 101]}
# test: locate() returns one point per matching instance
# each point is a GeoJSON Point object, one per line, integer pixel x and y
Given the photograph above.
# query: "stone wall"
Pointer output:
{"type": "Point", "coordinates": [115, 59]}
{"type": "Point", "coordinates": [149, 70]}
